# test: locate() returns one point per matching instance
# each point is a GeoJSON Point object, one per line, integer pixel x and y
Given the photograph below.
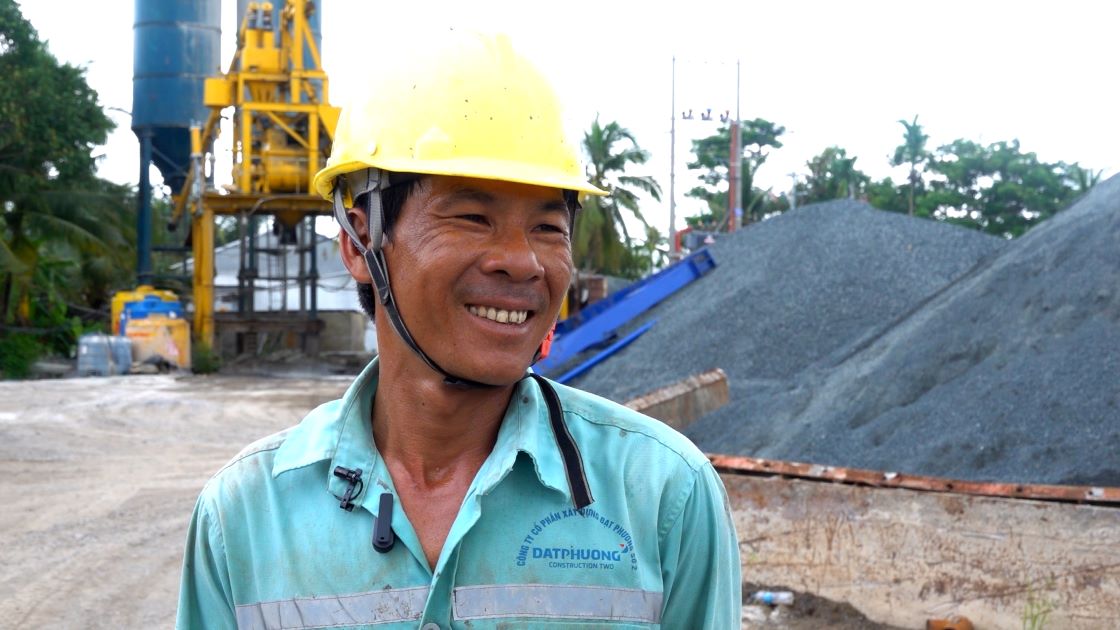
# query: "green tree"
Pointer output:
{"type": "Point", "coordinates": [601, 240]}
{"type": "Point", "coordinates": [832, 175]}
{"type": "Point", "coordinates": [713, 157]}
{"type": "Point", "coordinates": [912, 151]}
{"type": "Point", "coordinates": [886, 195]}
{"type": "Point", "coordinates": [63, 232]}
{"type": "Point", "coordinates": [998, 188]}
{"type": "Point", "coordinates": [647, 256]}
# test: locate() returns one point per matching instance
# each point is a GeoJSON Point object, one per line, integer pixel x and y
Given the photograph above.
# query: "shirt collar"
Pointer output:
{"type": "Point", "coordinates": [340, 431]}
{"type": "Point", "coordinates": [526, 429]}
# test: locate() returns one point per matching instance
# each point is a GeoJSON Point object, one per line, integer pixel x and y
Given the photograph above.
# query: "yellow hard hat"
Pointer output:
{"type": "Point", "coordinates": [469, 106]}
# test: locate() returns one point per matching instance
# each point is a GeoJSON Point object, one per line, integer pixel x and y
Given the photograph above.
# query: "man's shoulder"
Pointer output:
{"type": "Point", "coordinates": [610, 425]}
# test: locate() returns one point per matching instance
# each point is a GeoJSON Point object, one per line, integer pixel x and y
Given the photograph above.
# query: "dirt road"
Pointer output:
{"type": "Point", "coordinates": [99, 477]}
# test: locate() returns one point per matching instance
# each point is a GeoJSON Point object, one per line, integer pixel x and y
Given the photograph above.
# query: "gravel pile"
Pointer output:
{"type": "Point", "coordinates": [1010, 374]}
{"type": "Point", "coordinates": [858, 338]}
{"type": "Point", "coordinates": [789, 292]}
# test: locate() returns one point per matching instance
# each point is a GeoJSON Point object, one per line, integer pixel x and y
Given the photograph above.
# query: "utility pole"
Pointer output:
{"type": "Point", "coordinates": [793, 192]}
{"type": "Point", "coordinates": [734, 187]}
{"type": "Point", "coordinates": [674, 251]}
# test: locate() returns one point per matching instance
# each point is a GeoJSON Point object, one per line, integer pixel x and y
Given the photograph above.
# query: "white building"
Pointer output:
{"type": "Point", "coordinates": [335, 290]}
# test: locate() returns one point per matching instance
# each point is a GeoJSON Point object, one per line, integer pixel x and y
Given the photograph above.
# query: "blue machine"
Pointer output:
{"type": "Point", "coordinates": [604, 354]}
{"type": "Point", "coordinates": [596, 325]}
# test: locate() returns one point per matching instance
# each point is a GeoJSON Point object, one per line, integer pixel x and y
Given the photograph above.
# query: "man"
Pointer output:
{"type": "Point", "coordinates": [450, 487]}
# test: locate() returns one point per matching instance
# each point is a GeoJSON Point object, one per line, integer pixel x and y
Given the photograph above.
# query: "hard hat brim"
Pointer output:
{"type": "Point", "coordinates": [468, 167]}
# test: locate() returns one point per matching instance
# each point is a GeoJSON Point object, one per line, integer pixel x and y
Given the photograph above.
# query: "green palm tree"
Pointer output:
{"type": "Point", "coordinates": [601, 240]}
{"type": "Point", "coordinates": [912, 151]}
{"type": "Point", "coordinates": [82, 233]}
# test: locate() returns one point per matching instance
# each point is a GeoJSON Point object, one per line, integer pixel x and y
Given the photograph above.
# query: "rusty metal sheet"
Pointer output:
{"type": "Point", "coordinates": [1073, 494]}
{"type": "Point", "coordinates": [902, 556]}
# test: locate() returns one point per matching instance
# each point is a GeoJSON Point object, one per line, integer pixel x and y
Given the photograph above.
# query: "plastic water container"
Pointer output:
{"type": "Point", "coordinates": [124, 297]}
{"type": "Point", "coordinates": [120, 349]}
{"type": "Point", "coordinates": [103, 355]}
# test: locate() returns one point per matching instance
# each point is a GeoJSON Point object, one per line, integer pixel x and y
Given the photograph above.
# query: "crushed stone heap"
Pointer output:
{"type": "Point", "coordinates": [788, 292]}
{"type": "Point", "coordinates": [859, 338]}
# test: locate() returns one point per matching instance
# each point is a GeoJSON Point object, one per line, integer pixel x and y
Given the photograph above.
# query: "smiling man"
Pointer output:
{"type": "Point", "coordinates": [451, 487]}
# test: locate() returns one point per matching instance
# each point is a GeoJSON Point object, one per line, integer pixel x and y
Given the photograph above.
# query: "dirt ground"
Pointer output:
{"type": "Point", "coordinates": [100, 476]}
{"type": "Point", "coordinates": [99, 479]}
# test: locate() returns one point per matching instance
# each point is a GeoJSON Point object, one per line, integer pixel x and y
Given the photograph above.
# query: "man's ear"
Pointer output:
{"type": "Point", "coordinates": [352, 255]}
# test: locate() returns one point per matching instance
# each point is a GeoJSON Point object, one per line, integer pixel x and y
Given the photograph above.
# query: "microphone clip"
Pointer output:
{"type": "Point", "coordinates": [353, 478]}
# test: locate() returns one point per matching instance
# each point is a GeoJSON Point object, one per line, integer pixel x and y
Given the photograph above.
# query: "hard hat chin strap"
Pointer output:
{"type": "Point", "coordinates": [374, 181]}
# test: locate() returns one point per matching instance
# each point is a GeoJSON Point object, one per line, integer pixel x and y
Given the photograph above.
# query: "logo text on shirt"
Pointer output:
{"type": "Point", "coordinates": [548, 544]}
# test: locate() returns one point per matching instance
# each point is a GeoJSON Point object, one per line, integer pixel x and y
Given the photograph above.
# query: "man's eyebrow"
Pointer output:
{"type": "Point", "coordinates": [466, 193]}
{"type": "Point", "coordinates": [469, 194]}
{"type": "Point", "coordinates": [554, 205]}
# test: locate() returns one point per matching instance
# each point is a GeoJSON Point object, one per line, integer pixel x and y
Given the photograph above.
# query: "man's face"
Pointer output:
{"type": "Point", "coordinates": [479, 269]}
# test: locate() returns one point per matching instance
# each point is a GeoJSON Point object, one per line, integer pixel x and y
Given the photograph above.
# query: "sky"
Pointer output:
{"type": "Point", "coordinates": [832, 73]}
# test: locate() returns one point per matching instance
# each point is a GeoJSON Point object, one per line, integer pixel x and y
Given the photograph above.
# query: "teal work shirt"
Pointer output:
{"type": "Point", "coordinates": [269, 547]}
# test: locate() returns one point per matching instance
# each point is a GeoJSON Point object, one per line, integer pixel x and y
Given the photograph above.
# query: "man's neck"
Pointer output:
{"type": "Point", "coordinates": [430, 430]}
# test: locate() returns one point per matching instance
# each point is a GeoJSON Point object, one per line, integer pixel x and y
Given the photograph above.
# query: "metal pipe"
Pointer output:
{"type": "Point", "coordinates": [144, 211]}
{"type": "Point", "coordinates": [301, 238]}
{"type": "Point", "coordinates": [243, 239]}
{"type": "Point", "coordinates": [314, 273]}
{"type": "Point", "coordinates": [252, 265]}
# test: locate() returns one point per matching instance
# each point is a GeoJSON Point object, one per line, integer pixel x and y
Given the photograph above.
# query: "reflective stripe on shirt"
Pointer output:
{"type": "Point", "coordinates": [392, 605]}
{"type": "Point", "coordinates": [557, 602]}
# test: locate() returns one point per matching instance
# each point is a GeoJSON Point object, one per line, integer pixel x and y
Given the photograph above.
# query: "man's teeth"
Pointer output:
{"type": "Point", "coordinates": [500, 315]}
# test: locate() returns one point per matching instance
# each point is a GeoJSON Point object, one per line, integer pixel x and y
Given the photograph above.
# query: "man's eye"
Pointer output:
{"type": "Point", "coordinates": [559, 229]}
{"type": "Point", "coordinates": [473, 218]}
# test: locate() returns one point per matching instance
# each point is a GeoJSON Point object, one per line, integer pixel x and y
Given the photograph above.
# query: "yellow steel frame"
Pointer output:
{"type": "Point", "coordinates": [271, 90]}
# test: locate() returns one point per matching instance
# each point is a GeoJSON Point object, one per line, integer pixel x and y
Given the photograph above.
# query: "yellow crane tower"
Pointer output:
{"type": "Point", "coordinates": [283, 126]}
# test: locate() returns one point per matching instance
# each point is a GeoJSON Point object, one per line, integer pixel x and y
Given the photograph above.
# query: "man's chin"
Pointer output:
{"type": "Point", "coordinates": [497, 376]}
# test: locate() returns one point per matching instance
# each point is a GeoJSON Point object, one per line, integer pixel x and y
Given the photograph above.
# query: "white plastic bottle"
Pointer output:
{"type": "Point", "coordinates": [773, 598]}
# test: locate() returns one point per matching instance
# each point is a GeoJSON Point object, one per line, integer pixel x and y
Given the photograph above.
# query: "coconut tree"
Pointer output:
{"type": "Point", "coordinates": [912, 151]}
{"type": "Point", "coordinates": [83, 234]}
{"type": "Point", "coordinates": [602, 241]}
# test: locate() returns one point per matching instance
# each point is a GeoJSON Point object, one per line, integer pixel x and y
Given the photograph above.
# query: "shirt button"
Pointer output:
{"type": "Point", "coordinates": [430, 626]}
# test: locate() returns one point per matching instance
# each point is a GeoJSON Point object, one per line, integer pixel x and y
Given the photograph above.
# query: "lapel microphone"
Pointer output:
{"type": "Point", "coordinates": [383, 537]}
{"type": "Point", "coordinates": [354, 486]}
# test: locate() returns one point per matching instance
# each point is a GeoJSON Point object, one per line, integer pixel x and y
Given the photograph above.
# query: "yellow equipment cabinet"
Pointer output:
{"type": "Point", "coordinates": [161, 336]}
{"type": "Point", "coordinates": [139, 293]}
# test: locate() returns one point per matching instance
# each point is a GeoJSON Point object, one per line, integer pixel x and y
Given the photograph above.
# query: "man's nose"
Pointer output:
{"type": "Point", "coordinates": [511, 253]}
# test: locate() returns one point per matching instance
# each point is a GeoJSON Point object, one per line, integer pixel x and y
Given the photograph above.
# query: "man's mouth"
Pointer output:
{"type": "Point", "coordinates": [500, 315]}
